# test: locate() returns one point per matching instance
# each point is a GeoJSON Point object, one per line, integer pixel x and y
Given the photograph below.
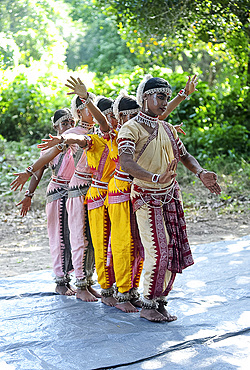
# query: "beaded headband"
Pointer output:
{"type": "Point", "coordinates": [151, 85]}
{"type": "Point", "coordinates": [131, 104]}
{"type": "Point", "coordinates": [80, 106]}
{"type": "Point", "coordinates": [65, 117]}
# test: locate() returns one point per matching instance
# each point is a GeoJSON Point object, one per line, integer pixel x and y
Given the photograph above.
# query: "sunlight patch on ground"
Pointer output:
{"type": "Point", "coordinates": [178, 357]}
{"type": "Point", "coordinates": [235, 262]}
{"type": "Point", "coordinates": [153, 364]}
{"type": "Point", "coordinates": [200, 259]}
{"type": "Point", "coordinates": [238, 353]}
{"type": "Point", "coordinates": [242, 280]}
{"type": "Point", "coordinates": [195, 284]}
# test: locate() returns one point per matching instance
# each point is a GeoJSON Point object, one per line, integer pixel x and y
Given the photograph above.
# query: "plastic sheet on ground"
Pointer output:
{"type": "Point", "coordinates": [42, 330]}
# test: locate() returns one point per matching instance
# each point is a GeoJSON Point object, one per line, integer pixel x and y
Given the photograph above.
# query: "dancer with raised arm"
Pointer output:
{"type": "Point", "coordinates": [149, 150]}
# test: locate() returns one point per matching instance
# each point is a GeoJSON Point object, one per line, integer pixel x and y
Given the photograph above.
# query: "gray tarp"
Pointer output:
{"type": "Point", "coordinates": [42, 330]}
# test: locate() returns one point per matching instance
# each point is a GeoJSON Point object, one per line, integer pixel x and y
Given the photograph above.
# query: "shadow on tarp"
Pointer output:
{"type": "Point", "coordinates": [42, 330]}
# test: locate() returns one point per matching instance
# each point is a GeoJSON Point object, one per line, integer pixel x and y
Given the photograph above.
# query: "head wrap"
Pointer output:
{"type": "Point", "coordinates": [104, 104]}
{"type": "Point", "coordinates": [151, 85]}
{"type": "Point", "coordinates": [61, 115]}
{"type": "Point", "coordinates": [76, 103]}
{"type": "Point", "coordinates": [126, 104]}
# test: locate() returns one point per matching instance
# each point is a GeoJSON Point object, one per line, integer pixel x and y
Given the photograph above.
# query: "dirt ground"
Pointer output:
{"type": "Point", "coordinates": [24, 243]}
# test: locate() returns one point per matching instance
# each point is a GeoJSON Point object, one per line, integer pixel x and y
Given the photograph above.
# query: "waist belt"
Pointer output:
{"type": "Point", "coordinates": [83, 175]}
{"type": "Point", "coordinates": [56, 180]}
{"type": "Point", "coordinates": [124, 176]}
{"type": "Point", "coordinates": [99, 184]}
{"type": "Point", "coordinates": [154, 191]}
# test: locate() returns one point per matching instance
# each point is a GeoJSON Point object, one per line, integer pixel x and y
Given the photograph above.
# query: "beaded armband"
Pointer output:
{"type": "Point", "coordinates": [181, 147]}
{"type": "Point", "coordinates": [126, 146]}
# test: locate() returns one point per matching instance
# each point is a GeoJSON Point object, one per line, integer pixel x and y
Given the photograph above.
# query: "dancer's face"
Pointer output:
{"type": "Point", "coordinates": [85, 115]}
{"type": "Point", "coordinates": [65, 125]}
{"type": "Point", "coordinates": [157, 104]}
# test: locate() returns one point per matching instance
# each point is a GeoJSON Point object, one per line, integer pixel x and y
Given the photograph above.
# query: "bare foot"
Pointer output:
{"type": "Point", "coordinates": [85, 295]}
{"type": "Point", "coordinates": [109, 301]}
{"type": "Point", "coordinates": [126, 307]}
{"type": "Point", "coordinates": [165, 313]}
{"type": "Point", "coordinates": [152, 314]}
{"type": "Point", "coordinates": [63, 290]}
{"type": "Point", "coordinates": [136, 302]}
{"type": "Point", "coordinates": [70, 287]}
{"type": "Point", "coordinates": [94, 292]}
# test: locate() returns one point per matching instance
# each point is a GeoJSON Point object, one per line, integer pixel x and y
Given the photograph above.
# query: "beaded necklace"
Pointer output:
{"type": "Point", "coordinates": [146, 119]}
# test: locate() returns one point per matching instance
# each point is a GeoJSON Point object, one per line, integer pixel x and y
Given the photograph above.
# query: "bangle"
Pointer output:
{"type": "Point", "coordinates": [29, 194]}
{"type": "Point", "coordinates": [199, 172]}
{"type": "Point", "coordinates": [183, 93]}
{"type": "Point", "coordinates": [62, 145]}
{"type": "Point", "coordinates": [30, 171]}
{"type": "Point", "coordinates": [155, 177]}
{"type": "Point", "coordinates": [87, 100]}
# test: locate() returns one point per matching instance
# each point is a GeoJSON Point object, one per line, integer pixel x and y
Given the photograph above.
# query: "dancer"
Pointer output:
{"type": "Point", "coordinates": [62, 167]}
{"type": "Point", "coordinates": [102, 168]}
{"type": "Point", "coordinates": [80, 239]}
{"type": "Point", "coordinates": [149, 150]}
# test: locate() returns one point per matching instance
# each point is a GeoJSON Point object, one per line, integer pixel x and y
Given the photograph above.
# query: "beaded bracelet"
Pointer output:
{"type": "Point", "coordinates": [30, 171]}
{"type": "Point", "coordinates": [199, 172]}
{"type": "Point", "coordinates": [155, 177]}
{"type": "Point", "coordinates": [86, 101]}
{"type": "Point", "coordinates": [29, 194]}
{"type": "Point", "coordinates": [183, 94]}
{"type": "Point", "coordinates": [61, 146]}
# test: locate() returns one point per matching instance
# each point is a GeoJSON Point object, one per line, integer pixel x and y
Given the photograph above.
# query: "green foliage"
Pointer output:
{"type": "Point", "coordinates": [26, 109]}
{"type": "Point", "coordinates": [100, 46]}
{"type": "Point", "coordinates": [166, 32]}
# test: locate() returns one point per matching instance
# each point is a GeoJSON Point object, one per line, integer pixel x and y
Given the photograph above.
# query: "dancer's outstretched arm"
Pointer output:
{"type": "Point", "coordinates": [78, 87]}
{"type": "Point", "coordinates": [22, 177]}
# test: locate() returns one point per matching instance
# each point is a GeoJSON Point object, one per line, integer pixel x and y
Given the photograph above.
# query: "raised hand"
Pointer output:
{"type": "Point", "coordinates": [209, 179]}
{"type": "Point", "coordinates": [191, 85]}
{"type": "Point", "coordinates": [26, 203]}
{"type": "Point", "coordinates": [77, 86]}
{"type": "Point", "coordinates": [170, 173]}
{"type": "Point", "coordinates": [49, 143]}
{"type": "Point", "coordinates": [20, 180]}
{"type": "Point", "coordinates": [179, 129]}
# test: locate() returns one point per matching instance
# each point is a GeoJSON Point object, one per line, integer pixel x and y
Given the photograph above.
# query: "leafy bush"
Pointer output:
{"type": "Point", "coordinates": [26, 109]}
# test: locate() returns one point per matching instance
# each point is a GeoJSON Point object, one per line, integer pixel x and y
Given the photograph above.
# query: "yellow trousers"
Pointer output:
{"type": "Point", "coordinates": [126, 263]}
{"type": "Point", "coordinates": [100, 231]}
